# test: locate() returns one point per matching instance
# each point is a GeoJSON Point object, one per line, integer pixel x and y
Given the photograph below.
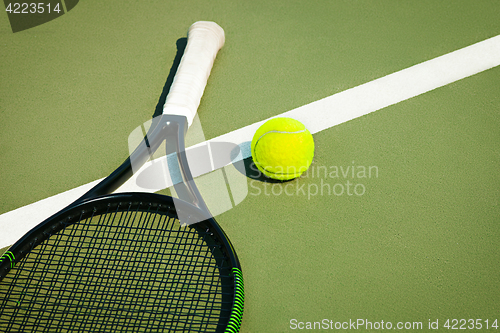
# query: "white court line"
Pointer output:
{"type": "Point", "coordinates": [316, 116]}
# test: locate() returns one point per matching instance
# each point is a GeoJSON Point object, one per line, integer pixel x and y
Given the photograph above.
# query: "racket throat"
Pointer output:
{"type": "Point", "coordinates": [175, 132]}
{"type": "Point", "coordinates": [171, 129]}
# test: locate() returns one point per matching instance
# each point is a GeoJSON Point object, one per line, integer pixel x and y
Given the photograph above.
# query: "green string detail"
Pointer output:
{"type": "Point", "coordinates": [239, 296]}
{"type": "Point", "coordinates": [9, 255]}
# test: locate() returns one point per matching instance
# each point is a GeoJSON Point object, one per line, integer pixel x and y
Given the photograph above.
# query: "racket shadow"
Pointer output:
{"type": "Point", "coordinates": [181, 46]}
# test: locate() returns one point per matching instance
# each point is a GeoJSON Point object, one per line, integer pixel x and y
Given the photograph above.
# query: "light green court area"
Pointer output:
{"type": "Point", "coordinates": [411, 236]}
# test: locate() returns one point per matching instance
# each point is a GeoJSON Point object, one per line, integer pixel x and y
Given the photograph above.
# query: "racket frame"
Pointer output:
{"type": "Point", "coordinates": [207, 38]}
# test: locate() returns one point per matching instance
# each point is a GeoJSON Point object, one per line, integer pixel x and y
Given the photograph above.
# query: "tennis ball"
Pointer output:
{"type": "Point", "coordinates": [282, 148]}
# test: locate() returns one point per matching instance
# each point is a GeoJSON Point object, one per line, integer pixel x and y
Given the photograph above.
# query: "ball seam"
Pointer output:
{"type": "Point", "coordinates": [257, 142]}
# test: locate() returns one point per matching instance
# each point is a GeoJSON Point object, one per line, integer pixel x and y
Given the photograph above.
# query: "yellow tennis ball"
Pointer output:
{"type": "Point", "coordinates": [282, 148]}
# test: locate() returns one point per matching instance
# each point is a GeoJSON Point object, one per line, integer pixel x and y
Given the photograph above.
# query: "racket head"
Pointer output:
{"type": "Point", "coordinates": [122, 263]}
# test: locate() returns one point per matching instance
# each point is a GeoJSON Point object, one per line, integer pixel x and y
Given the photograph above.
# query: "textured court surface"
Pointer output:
{"type": "Point", "coordinates": [397, 220]}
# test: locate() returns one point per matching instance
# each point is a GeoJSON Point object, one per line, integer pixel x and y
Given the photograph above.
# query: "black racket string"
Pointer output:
{"type": "Point", "coordinates": [133, 268]}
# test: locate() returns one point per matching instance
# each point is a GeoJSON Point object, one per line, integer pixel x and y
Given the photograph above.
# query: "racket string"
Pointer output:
{"type": "Point", "coordinates": [151, 264]}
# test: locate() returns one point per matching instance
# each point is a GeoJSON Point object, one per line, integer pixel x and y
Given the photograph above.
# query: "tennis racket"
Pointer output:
{"type": "Point", "coordinates": [132, 262]}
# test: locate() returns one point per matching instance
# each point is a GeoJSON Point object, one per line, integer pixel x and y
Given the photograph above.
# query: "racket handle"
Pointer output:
{"type": "Point", "coordinates": [205, 39]}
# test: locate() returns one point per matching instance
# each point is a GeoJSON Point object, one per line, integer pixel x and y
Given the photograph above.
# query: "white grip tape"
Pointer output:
{"type": "Point", "coordinates": [205, 39]}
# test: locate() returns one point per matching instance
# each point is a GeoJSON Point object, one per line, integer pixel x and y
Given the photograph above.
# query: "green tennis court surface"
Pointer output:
{"type": "Point", "coordinates": [398, 218]}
